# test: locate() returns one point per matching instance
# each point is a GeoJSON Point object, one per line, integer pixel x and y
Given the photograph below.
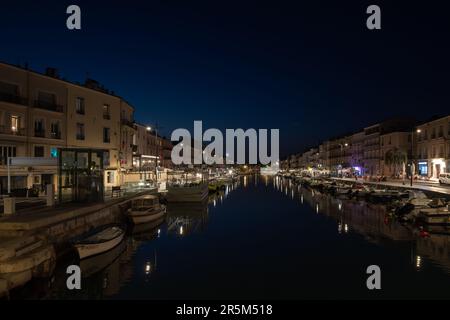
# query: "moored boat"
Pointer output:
{"type": "Point", "coordinates": [192, 192]}
{"type": "Point", "coordinates": [99, 240]}
{"type": "Point", "coordinates": [146, 209]}
{"type": "Point", "coordinates": [435, 215]}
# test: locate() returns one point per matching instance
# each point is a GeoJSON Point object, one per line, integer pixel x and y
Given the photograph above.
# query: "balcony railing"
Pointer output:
{"type": "Point", "coordinates": [48, 106]}
{"type": "Point", "coordinates": [39, 133]}
{"type": "Point", "coordinates": [129, 123]}
{"type": "Point", "coordinates": [12, 98]}
{"type": "Point", "coordinates": [8, 130]}
{"type": "Point", "coordinates": [80, 136]}
{"type": "Point", "coordinates": [106, 116]}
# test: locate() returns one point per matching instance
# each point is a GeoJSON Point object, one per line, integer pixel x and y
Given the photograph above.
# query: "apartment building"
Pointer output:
{"type": "Point", "coordinates": [373, 154]}
{"type": "Point", "coordinates": [41, 113]}
{"type": "Point", "coordinates": [32, 118]}
{"type": "Point", "coordinates": [396, 153]}
{"type": "Point", "coordinates": [357, 152]}
{"type": "Point", "coordinates": [432, 147]}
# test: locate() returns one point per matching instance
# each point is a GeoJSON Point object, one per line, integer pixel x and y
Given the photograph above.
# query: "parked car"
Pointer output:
{"type": "Point", "coordinates": [444, 178]}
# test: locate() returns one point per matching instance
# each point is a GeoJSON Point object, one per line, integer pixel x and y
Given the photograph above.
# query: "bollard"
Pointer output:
{"type": "Point", "coordinates": [9, 205]}
{"type": "Point", "coordinates": [50, 195]}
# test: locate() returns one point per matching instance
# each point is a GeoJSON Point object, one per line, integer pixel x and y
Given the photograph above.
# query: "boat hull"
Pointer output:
{"type": "Point", "coordinates": [92, 249]}
{"type": "Point", "coordinates": [138, 219]}
{"type": "Point", "coordinates": [188, 194]}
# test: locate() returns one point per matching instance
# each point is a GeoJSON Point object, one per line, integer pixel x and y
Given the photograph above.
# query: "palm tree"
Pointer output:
{"type": "Point", "coordinates": [396, 158]}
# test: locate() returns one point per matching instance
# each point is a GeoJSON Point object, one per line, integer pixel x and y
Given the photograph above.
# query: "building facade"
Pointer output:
{"type": "Point", "coordinates": [42, 113]}
{"type": "Point", "coordinates": [432, 147]}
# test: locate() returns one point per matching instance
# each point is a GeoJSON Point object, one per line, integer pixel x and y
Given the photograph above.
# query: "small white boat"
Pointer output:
{"type": "Point", "coordinates": [99, 241]}
{"type": "Point", "coordinates": [146, 209]}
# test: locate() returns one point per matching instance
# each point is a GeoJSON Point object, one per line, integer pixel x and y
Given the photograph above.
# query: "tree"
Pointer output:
{"type": "Point", "coordinates": [396, 158]}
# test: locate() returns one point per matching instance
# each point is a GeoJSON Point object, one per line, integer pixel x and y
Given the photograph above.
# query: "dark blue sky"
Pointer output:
{"type": "Point", "coordinates": [311, 70]}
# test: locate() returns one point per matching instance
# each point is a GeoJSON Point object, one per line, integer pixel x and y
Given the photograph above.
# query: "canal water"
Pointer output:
{"type": "Point", "coordinates": [262, 238]}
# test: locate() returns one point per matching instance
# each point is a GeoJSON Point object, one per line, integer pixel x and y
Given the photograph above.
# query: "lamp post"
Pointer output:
{"type": "Point", "coordinates": [412, 155]}
{"type": "Point", "coordinates": [342, 153]}
{"type": "Point", "coordinates": [149, 130]}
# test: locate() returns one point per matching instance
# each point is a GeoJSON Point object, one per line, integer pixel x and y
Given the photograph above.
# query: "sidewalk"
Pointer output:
{"type": "Point", "coordinates": [417, 185]}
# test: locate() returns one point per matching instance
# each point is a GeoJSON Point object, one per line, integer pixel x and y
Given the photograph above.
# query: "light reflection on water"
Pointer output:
{"type": "Point", "coordinates": [272, 239]}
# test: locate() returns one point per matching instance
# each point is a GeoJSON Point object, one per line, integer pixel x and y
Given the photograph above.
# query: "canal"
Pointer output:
{"type": "Point", "coordinates": [262, 238]}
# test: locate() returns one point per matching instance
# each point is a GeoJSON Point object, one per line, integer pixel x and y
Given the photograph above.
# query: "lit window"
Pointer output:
{"type": "Point", "coordinates": [14, 123]}
{"type": "Point", "coordinates": [54, 152]}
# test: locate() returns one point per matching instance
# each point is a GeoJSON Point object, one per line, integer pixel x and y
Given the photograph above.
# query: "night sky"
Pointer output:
{"type": "Point", "coordinates": [310, 68]}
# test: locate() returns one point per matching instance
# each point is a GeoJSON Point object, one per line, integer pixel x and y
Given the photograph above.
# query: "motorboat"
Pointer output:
{"type": "Point", "coordinates": [99, 240]}
{"type": "Point", "coordinates": [146, 209]}
{"type": "Point", "coordinates": [439, 215]}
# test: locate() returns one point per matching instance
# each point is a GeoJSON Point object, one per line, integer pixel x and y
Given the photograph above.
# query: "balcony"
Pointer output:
{"type": "Point", "coordinates": [39, 133]}
{"type": "Point", "coordinates": [106, 116]}
{"type": "Point", "coordinates": [80, 137]}
{"type": "Point", "coordinates": [128, 123]}
{"type": "Point", "coordinates": [12, 98]}
{"type": "Point", "coordinates": [8, 130]}
{"type": "Point", "coordinates": [55, 135]}
{"type": "Point", "coordinates": [48, 106]}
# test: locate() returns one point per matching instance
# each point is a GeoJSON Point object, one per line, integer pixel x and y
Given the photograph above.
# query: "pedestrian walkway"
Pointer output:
{"type": "Point", "coordinates": [424, 186]}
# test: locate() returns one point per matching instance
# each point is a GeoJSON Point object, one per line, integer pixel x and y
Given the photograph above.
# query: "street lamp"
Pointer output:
{"type": "Point", "coordinates": [149, 128]}
{"type": "Point", "coordinates": [411, 169]}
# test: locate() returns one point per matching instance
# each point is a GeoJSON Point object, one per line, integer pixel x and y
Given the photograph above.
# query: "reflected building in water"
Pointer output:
{"type": "Point", "coordinates": [374, 223]}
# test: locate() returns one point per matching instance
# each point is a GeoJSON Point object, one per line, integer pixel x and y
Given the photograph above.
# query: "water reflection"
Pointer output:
{"type": "Point", "coordinates": [375, 224]}
{"type": "Point", "coordinates": [170, 258]}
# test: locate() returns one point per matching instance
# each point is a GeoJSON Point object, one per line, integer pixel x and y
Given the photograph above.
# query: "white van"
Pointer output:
{"type": "Point", "coordinates": [444, 178]}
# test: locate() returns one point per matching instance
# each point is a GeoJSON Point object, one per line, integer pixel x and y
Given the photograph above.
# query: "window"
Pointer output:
{"type": "Point", "coordinates": [433, 133]}
{"type": "Point", "coordinates": [80, 131]}
{"type": "Point", "coordinates": [106, 114]}
{"type": "Point", "coordinates": [5, 152]}
{"type": "Point", "coordinates": [9, 92]}
{"type": "Point", "coordinates": [106, 135]}
{"type": "Point", "coordinates": [54, 131]}
{"type": "Point", "coordinates": [79, 105]}
{"type": "Point", "coordinates": [39, 128]}
{"type": "Point", "coordinates": [110, 177]}
{"type": "Point", "coordinates": [15, 123]}
{"type": "Point", "coordinates": [441, 132]}
{"type": "Point", "coordinates": [448, 129]}
{"type": "Point", "coordinates": [38, 151]}
{"type": "Point", "coordinates": [426, 134]}
{"type": "Point", "coordinates": [441, 151]}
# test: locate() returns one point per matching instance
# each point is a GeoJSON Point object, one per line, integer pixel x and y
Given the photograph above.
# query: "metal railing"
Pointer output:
{"type": "Point", "coordinates": [39, 133]}
{"type": "Point", "coordinates": [48, 106]}
{"type": "Point", "coordinates": [9, 130]}
{"type": "Point", "coordinates": [12, 98]}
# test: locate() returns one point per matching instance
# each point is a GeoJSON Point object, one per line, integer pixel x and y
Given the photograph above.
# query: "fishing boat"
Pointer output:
{"type": "Point", "coordinates": [99, 240]}
{"type": "Point", "coordinates": [146, 209]}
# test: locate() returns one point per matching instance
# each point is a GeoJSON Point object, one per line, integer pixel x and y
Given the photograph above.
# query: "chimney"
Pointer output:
{"type": "Point", "coordinates": [51, 72]}
{"type": "Point", "coordinates": [92, 84]}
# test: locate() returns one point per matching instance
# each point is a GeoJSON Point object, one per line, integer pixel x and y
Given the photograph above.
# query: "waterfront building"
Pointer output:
{"type": "Point", "coordinates": [357, 152]}
{"type": "Point", "coordinates": [372, 144]}
{"type": "Point", "coordinates": [396, 153]}
{"type": "Point", "coordinates": [32, 121]}
{"type": "Point", "coordinates": [432, 147]}
{"type": "Point", "coordinates": [42, 113]}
